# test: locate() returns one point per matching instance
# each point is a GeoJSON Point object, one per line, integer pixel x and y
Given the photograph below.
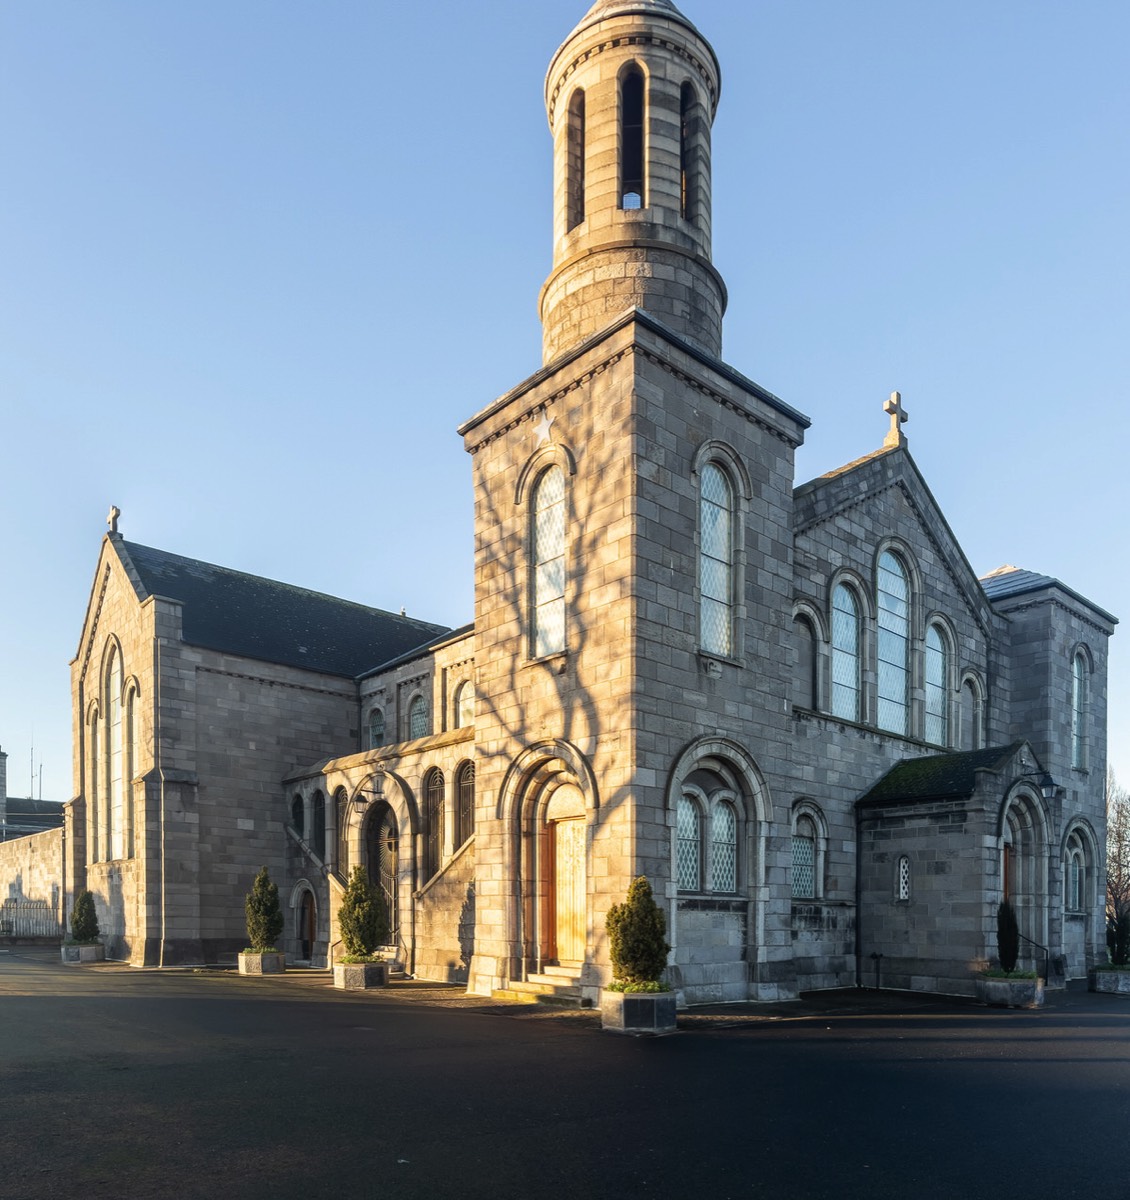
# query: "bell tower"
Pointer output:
{"type": "Point", "coordinates": [631, 97]}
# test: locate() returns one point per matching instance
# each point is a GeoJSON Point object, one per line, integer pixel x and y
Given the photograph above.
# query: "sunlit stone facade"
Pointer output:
{"type": "Point", "coordinates": [830, 747]}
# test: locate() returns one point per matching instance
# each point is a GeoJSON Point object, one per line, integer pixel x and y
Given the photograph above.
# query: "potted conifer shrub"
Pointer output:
{"type": "Point", "coordinates": [1115, 975]}
{"type": "Point", "coordinates": [1004, 986]}
{"type": "Point", "coordinates": [636, 1001]}
{"type": "Point", "coordinates": [364, 926]}
{"type": "Point", "coordinates": [264, 924]}
{"type": "Point", "coordinates": [83, 945]}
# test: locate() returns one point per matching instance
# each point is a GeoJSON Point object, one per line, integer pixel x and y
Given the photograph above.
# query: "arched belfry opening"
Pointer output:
{"type": "Point", "coordinates": [631, 96]}
{"type": "Point", "coordinates": [633, 163]}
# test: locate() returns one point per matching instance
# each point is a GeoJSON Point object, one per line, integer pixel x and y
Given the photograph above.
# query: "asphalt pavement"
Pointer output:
{"type": "Point", "coordinates": [117, 1082]}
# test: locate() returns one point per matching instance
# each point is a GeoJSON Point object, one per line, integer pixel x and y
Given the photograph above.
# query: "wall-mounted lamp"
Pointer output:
{"type": "Point", "coordinates": [377, 790]}
{"type": "Point", "coordinates": [1048, 786]}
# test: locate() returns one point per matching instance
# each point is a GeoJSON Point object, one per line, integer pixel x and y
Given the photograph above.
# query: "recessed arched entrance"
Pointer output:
{"type": "Point", "coordinates": [1024, 872]}
{"type": "Point", "coordinates": [382, 842]}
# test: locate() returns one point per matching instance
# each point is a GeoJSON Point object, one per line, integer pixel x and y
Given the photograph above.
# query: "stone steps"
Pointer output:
{"type": "Point", "coordinates": [556, 986]}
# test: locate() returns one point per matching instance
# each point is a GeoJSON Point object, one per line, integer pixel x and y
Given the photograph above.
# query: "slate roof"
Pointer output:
{"type": "Point", "coordinates": [26, 815]}
{"type": "Point", "coordinates": [1008, 581]}
{"type": "Point", "coordinates": [938, 776]}
{"type": "Point", "coordinates": [275, 622]}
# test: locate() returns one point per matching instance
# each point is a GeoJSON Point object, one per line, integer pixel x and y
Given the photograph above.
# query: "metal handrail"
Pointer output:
{"type": "Point", "coordinates": [1047, 954]}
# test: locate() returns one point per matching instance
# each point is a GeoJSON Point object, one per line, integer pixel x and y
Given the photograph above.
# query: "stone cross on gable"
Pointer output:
{"type": "Point", "coordinates": [895, 437]}
{"type": "Point", "coordinates": [112, 517]}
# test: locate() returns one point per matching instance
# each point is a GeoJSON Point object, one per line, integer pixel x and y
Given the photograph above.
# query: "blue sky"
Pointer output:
{"type": "Point", "coordinates": [261, 257]}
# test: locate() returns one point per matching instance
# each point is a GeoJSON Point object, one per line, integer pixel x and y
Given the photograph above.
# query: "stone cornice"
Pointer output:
{"type": "Point", "coordinates": [282, 683]}
{"type": "Point", "coordinates": [711, 74]}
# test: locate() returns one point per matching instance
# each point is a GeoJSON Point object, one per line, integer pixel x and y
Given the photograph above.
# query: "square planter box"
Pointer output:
{"type": "Point", "coordinates": [84, 954]}
{"type": "Point", "coordinates": [1010, 993]}
{"type": "Point", "coordinates": [638, 1012]}
{"type": "Point", "coordinates": [1109, 981]}
{"type": "Point", "coordinates": [360, 975]}
{"type": "Point", "coordinates": [262, 964]}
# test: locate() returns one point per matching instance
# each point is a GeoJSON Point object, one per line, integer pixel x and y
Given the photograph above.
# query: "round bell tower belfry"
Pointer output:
{"type": "Point", "coordinates": [631, 97]}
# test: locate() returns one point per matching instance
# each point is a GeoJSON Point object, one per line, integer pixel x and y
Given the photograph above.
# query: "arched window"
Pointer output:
{"type": "Point", "coordinates": [723, 848]}
{"type": "Point", "coordinates": [114, 764]}
{"type": "Point", "coordinates": [376, 728]}
{"type": "Point", "coordinates": [845, 655]}
{"type": "Point", "coordinates": [688, 184]}
{"type": "Point", "coordinates": [298, 816]}
{"type": "Point", "coordinates": [1075, 875]}
{"type": "Point", "coordinates": [547, 538]}
{"type": "Point", "coordinates": [804, 858]}
{"type": "Point", "coordinates": [318, 821]}
{"type": "Point", "coordinates": [418, 718]}
{"type": "Point", "coordinates": [716, 561]}
{"type": "Point", "coordinates": [633, 183]}
{"type": "Point", "coordinates": [902, 878]}
{"type": "Point", "coordinates": [465, 803]}
{"type": "Point", "coordinates": [463, 707]}
{"type": "Point", "coordinates": [972, 716]}
{"type": "Point", "coordinates": [806, 689]}
{"type": "Point", "coordinates": [433, 822]}
{"type": "Point", "coordinates": [133, 765]}
{"type": "Point", "coordinates": [1080, 684]}
{"type": "Point", "coordinates": [937, 687]}
{"type": "Point", "coordinates": [688, 846]}
{"type": "Point", "coordinates": [94, 791]}
{"type": "Point", "coordinates": [575, 162]}
{"type": "Point", "coordinates": [893, 597]}
{"type": "Point", "coordinates": [341, 821]}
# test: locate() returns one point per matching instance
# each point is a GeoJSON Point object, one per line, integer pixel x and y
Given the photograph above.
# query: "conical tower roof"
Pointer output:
{"type": "Point", "coordinates": [603, 10]}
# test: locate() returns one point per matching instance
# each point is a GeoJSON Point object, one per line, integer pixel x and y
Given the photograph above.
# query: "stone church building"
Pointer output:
{"type": "Point", "coordinates": [796, 709]}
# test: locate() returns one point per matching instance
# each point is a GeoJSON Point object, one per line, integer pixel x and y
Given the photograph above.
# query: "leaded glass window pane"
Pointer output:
{"type": "Point", "coordinates": [1075, 890]}
{"type": "Point", "coordinates": [716, 561]}
{"type": "Point", "coordinates": [465, 705]}
{"type": "Point", "coordinates": [904, 878]}
{"type": "Point", "coordinates": [418, 718]}
{"type": "Point", "coordinates": [548, 547]}
{"type": "Point", "coordinates": [845, 655]}
{"type": "Point", "coordinates": [724, 850]}
{"type": "Point", "coordinates": [937, 699]}
{"type": "Point", "coordinates": [688, 846]}
{"type": "Point", "coordinates": [1079, 712]}
{"type": "Point", "coordinates": [433, 823]}
{"type": "Point", "coordinates": [893, 645]}
{"type": "Point", "coordinates": [804, 865]}
{"type": "Point", "coordinates": [114, 748]}
{"type": "Point", "coordinates": [376, 728]}
{"type": "Point", "coordinates": [466, 810]}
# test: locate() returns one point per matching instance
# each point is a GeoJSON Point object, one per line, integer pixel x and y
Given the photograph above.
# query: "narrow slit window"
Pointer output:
{"type": "Point", "coordinates": [845, 655]}
{"type": "Point", "coordinates": [1079, 684]}
{"type": "Point", "coordinates": [687, 182]}
{"type": "Point", "coordinates": [894, 645]}
{"type": "Point", "coordinates": [548, 539]}
{"type": "Point", "coordinates": [575, 166]}
{"type": "Point", "coordinates": [937, 689]}
{"type": "Point", "coordinates": [903, 883]}
{"type": "Point", "coordinates": [716, 562]}
{"type": "Point", "coordinates": [632, 181]}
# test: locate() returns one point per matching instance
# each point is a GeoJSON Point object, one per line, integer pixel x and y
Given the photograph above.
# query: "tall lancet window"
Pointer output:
{"type": "Point", "coordinates": [716, 562]}
{"type": "Point", "coordinates": [632, 174]}
{"type": "Point", "coordinates": [547, 538]}
{"type": "Point", "coordinates": [575, 161]}
{"type": "Point", "coordinates": [937, 688]}
{"type": "Point", "coordinates": [115, 774]}
{"type": "Point", "coordinates": [1079, 687]}
{"type": "Point", "coordinates": [687, 181]}
{"type": "Point", "coordinates": [845, 655]}
{"type": "Point", "coordinates": [893, 595]}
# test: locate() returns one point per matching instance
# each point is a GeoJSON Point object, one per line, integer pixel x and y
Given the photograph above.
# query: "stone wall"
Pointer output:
{"type": "Point", "coordinates": [31, 868]}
